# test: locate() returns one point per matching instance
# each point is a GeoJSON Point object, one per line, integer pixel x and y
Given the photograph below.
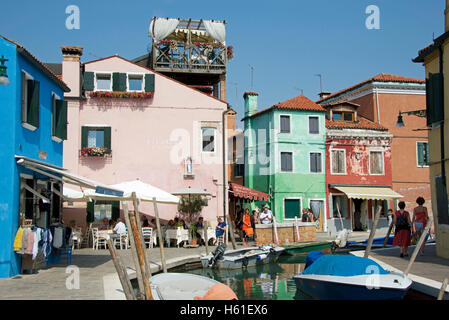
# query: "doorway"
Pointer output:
{"type": "Point", "coordinates": [357, 224]}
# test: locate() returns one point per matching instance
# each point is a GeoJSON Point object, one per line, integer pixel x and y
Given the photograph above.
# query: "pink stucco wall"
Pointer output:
{"type": "Point", "coordinates": [148, 138]}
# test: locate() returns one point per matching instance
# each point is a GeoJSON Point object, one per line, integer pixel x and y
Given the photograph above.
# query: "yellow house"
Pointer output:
{"type": "Point", "coordinates": [435, 58]}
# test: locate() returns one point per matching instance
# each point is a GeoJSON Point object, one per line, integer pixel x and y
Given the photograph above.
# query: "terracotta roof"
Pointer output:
{"type": "Point", "coordinates": [383, 77]}
{"type": "Point", "coordinates": [250, 93]}
{"type": "Point", "coordinates": [39, 64]}
{"type": "Point", "coordinates": [361, 123]}
{"type": "Point", "coordinates": [431, 48]}
{"type": "Point", "coordinates": [298, 103]}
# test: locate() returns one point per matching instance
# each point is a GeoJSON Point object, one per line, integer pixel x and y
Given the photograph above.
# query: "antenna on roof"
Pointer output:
{"type": "Point", "coordinates": [302, 90]}
{"type": "Point", "coordinates": [252, 76]}
{"type": "Point", "coordinates": [321, 82]}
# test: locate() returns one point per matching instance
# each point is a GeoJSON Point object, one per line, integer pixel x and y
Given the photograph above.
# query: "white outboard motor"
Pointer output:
{"type": "Point", "coordinates": [342, 238]}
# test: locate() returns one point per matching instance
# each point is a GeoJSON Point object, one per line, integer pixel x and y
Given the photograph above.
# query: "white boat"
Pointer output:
{"type": "Point", "coordinates": [239, 258]}
{"type": "Point", "coordinates": [346, 277]}
{"type": "Point", "coordinates": [179, 286]}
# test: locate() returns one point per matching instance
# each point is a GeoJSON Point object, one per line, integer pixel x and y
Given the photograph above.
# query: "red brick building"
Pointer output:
{"type": "Point", "coordinates": [358, 169]}
{"type": "Point", "coordinates": [381, 98]}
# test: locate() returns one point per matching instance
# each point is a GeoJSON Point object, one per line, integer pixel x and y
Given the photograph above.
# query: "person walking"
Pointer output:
{"type": "Point", "coordinates": [402, 222]}
{"type": "Point", "coordinates": [419, 222]}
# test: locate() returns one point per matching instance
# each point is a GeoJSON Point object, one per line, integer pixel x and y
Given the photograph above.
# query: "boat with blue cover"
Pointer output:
{"type": "Point", "coordinates": [347, 277]}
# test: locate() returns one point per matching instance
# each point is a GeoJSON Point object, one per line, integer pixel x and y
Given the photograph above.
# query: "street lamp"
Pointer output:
{"type": "Point", "coordinates": [3, 75]}
{"type": "Point", "coordinates": [418, 113]}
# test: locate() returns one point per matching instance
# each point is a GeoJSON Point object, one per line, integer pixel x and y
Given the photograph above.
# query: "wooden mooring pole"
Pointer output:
{"type": "Point", "coordinates": [159, 232]}
{"type": "Point", "coordinates": [373, 231]}
{"type": "Point", "coordinates": [231, 231]}
{"type": "Point", "coordinates": [418, 245]}
{"type": "Point", "coordinates": [387, 236]}
{"type": "Point", "coordinates": [206, 227]}
{"type": "Point", "coordinates": [297, 228]}
{"type": "Point", "coordinates": [442, 290]}
{"type": "Point", "coordinates": [275, 230]}
{"type": "Point", "coordinates": [121, 271]}
{"type": "Point", "coordinates": [133, 250]}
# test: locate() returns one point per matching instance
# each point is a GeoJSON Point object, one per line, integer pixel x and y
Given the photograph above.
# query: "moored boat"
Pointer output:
{"type": "Point", "coordinates": [347, 277]}
{"type": "Point", "coordinates": [307, 246]}
{"type": "Point", "coordinates": [186, 286]}
{"type": "Point", "coordinates": [239, 258]}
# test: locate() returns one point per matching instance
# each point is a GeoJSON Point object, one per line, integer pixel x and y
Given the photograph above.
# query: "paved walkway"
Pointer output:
{"type": "Point", "coordinates": [50, 283]}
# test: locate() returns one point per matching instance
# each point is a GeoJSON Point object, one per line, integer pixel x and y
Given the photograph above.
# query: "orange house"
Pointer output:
{"type": "Point", "coordinates": [381, 98]}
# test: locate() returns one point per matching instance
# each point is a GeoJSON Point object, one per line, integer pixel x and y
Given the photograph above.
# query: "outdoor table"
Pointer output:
{"type": "Point", "coordinates": [210, 234]}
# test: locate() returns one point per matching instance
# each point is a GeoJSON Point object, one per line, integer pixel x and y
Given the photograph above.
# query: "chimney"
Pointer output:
{"type": "Point", "coordinates": [325, 94]}
{"type": "Point", "coordinates": [71, 69]}
{"type": "Point", "coordinates": [446, 18]}
{"type": "Point", "coordinates": [250, 103]}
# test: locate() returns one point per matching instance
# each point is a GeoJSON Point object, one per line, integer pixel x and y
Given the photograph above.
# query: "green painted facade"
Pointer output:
{"type": "Point", "coordinates": [263, 146]}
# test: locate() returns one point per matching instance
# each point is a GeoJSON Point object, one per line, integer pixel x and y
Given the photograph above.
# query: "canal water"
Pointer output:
{"type": "Point", "coordinates": [267, 282]}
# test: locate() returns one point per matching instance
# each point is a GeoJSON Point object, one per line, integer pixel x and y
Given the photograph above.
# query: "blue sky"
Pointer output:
{"type": "Point", "coordinates": [287, 42]}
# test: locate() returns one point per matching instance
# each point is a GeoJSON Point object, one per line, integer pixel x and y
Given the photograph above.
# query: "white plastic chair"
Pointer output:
{"type": "Point", "coordinates": [122, 240]}
{"type": "Point", "coordinates": [98, 240]}
{"type": "Point", "coordinates": [77, 238]}
{"type": "Point", "coordinates": [147, 233]}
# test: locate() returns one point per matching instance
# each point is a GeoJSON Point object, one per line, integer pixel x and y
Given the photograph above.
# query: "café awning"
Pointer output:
{"type": "Point", "coordinates": [66, 176]}
{"type": "Point", "coordinates": [374, 193]}
{"type": "Point", "coordinates": [248, 193]}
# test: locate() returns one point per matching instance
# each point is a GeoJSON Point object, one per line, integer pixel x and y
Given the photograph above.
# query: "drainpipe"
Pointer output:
{"type": "Point", "coordinates": [377, 105]}
{"type": "Point", "coordinates": [443, 167]}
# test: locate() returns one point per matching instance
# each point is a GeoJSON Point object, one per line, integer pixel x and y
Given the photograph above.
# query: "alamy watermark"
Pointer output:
{"type": "Point", "coordinates": [72, 22]}
{"type": "Point", "coordinates": [73, 280]}
{"type": "Point", "coordinates": [373, 20]}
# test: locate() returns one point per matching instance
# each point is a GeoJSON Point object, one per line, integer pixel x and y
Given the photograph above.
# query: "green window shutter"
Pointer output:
{"type": "Point", "coordinates": [292, 208]}
{"type": "Point", "coordinates": [33, 103]}
{"type": "Point", "coordinates": [442, 200]}
{"type": "Point", "coordinates": [435, 97]}
{"type": "Point", "coordinates": [426, 154]}
{"type": "Point", "coordinates": [429, 101]}
{"type": "Point", "coordinates": [88, 81]}
{"type": "Point", "coordinates": [420, 154]}
{"type": "Point", "coordinates": [90, 212]}
{"type": "Point", "coordinates": [84, 135]}
{"type": "Point", "coordinates": [61, 119]}
{"type": "Point", "coordinates": [115, 210]}
{"type": "Point", "coordinates": [149, 82]}
{"type": "Point", "coordinates": [107, 138]}
{"type": "Point", "coordinates": [119, 81]}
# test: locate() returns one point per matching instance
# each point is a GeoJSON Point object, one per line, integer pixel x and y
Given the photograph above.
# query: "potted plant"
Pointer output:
{"type": "Point", "coordinates": [189, 207]}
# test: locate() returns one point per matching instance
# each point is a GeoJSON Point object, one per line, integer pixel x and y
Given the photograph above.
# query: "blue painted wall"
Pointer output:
{"type": "Point", "coordinates": [17, 140]}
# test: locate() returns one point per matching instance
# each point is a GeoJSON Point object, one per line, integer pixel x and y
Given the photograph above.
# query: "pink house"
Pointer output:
{"type": "Point", "coordinates": [151, 127]}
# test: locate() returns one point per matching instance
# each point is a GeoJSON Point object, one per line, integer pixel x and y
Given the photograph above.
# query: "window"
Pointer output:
{"type": "Point", "coordinates": [315, 162]}
{"type": "Point", "coordinates": [30, 102]}
{"type": "Point", "coordinates": [208, 139]}
{"type": "Point", "coordinates": [343, 116]}
{"type": "Point", "coordinates": [292, 208]}
{"type": "Point", "coordinates": [338, 161]}
{"type": "Point", "coordinates": [98, 210]}
{"type": "Point", "coordinates": [59, 119]}
{"type": "Point", "coordinates": [104, 82]}
{"type": "Point", "coordinates": [340, 205]}
{"type": "Point", "coordinates": [314, 125]}
{"type": "Point", "coordinates": [422, 149]}
{"type": "Point", "coordinates": [285, 124]}
{"type": "Point", "coordinates": [239, 169]}
{"type": "Point", "coordinates": [135, 82]}
{"type": "Point", "coordinates": [286, 162]}
{"type": "Point", "coordinates": [99, 137]}
{"type": "Point", "coordinates": [376, 160]}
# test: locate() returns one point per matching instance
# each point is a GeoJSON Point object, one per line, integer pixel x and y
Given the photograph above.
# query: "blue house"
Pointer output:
{"type": "Point", "coordinates": [34, 122]}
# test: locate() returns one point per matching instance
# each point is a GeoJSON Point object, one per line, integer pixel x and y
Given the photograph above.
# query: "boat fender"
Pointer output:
{"type": "Point", "coordinates": [261, 256]}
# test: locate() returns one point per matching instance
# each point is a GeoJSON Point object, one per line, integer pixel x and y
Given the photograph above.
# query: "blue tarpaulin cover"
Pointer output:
{"type": "Point", "coordinates": [344, 265]}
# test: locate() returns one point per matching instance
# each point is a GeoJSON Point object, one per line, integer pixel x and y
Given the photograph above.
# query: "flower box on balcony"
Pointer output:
{"type": "Point", "coordinates": [95, 152]}
{"type": "Point", "coordinates": [121, 95]}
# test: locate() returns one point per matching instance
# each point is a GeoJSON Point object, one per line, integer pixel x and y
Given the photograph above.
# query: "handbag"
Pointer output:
{"type": "Point", "coordinates": [249, 231]}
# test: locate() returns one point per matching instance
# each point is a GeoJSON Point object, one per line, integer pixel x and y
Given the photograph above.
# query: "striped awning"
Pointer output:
{"type": "Point", "coordinates": [375, 193]}
{"type": "Point", "coordinates": [248, 193]}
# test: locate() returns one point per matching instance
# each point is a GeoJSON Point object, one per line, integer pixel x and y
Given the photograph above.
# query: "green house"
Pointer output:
{"type": "Point", "coordinates": [285, 154]}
